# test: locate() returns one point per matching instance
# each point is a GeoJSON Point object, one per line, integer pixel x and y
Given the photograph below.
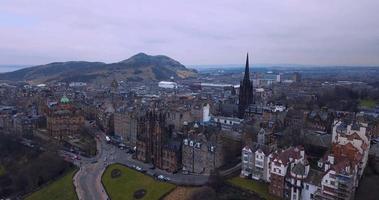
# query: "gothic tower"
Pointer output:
{"type": "Point", "coordinates": [245, 92]}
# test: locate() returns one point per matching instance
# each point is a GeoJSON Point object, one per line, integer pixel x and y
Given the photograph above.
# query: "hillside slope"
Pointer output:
{"type": "Point", "coordinates": [140, 67]}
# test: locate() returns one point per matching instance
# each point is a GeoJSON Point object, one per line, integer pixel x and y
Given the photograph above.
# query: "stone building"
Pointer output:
{"type": "Point", "coordinates": [202, 150]}
{"type": "Point", "coordinates": [64, 119]}
{"type": "Point", "coordinates": [320, 120]}
{"type": "Point", "coordinates": [172, 156]}
{"type": "Point", "coordinates": [156, 142]}
{"type": "Point", "coordinates": [125, 125]}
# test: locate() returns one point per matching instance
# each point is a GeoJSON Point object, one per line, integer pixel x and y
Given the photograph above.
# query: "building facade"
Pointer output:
{"type": "Point", "coordinates": [64, 119]}
{"type": "Point", "coordinates": [202, 150]}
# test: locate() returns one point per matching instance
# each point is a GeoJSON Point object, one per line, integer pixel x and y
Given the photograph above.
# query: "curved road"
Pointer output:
{"type": "Point", "coordinates": [88, 179]}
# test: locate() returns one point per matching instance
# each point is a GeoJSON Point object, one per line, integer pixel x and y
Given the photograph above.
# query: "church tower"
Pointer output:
{"type": "Point", "coordinates": [245, 92]}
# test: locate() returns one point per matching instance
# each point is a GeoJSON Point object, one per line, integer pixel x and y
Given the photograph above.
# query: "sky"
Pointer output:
{"type": "Point", "coordinates": [194, 32]}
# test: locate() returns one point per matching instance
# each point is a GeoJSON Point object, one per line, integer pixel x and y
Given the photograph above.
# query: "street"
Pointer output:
{"type": "Point", "coordinates": [88, 179]}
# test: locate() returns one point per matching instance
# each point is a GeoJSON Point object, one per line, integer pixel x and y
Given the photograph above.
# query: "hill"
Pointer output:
{"type": "Point", "coordinates": [140, 67]}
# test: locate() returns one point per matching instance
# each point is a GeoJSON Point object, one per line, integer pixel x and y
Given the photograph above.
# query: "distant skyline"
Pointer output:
{"type": "Point", "coordinates": [312, 32]}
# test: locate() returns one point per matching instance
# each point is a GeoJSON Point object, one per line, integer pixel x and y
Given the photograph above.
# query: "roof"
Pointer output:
{"type": "Point", "coordinates": [261, 148]}
{"type": "Point", "coordinates": [318, 139]}
{"type": "Point", "coordinates": [298, 169]}
{"type": "Point", "coordinates": [65, 100]}
{"type": "Point", "coordinates": [314, 177]}
{"type": "Point", "coordinates": [285, 155]}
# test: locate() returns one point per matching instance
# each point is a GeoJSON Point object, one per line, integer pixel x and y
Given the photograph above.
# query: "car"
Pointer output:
{"type": "Point", "coordinates": [140, 169]}
{"type": "Point", "coordinates": [160, 177]}
{"type": "Point", "coordinates": [94, 161]}
{"type": "Point", "coordinates": [152, 167]}
{"type": "Point", "coordinates": [185, 172]}
{"type": "Point", "coordinates": [166, 178]}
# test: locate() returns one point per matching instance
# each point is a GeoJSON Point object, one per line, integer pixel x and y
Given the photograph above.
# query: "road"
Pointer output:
{"type": "Point", "coordinates": [88, 179]}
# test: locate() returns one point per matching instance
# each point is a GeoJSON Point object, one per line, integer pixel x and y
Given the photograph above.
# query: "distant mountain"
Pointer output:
{"type": "Point", "coordinates": [140, 67]}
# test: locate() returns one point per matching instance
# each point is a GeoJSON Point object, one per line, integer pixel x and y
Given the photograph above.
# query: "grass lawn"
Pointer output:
{"type": "Point", "coordinates": [2, 170]}
{"type": "Point", "coordinates": [123, 187]}
{"type": "Point", "coordinates": [61, 189]}
{"type": "Point", "coordinates": [368, 103]}
{"type": "Point", "coordinates": [259, 188]}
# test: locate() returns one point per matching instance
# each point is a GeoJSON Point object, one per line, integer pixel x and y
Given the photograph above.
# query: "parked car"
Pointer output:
{"type": "Point", "coordinates": [160, 177]}
{"type": "Point", "coordinates": [140, 169]}
{"type": "Point", "coordinates": [163, 178]}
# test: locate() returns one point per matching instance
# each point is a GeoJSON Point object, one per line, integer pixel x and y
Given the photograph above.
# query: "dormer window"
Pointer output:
{"type": "Point", "coordinates": [191, 143]}
{"type": "Point", "coordinates": [198, 145]}
{"type": "Point", "coordinates": [185, 142]}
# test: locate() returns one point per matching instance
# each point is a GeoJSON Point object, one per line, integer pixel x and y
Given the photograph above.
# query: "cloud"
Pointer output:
{"type": "Point", "coordinates": [341, 32]}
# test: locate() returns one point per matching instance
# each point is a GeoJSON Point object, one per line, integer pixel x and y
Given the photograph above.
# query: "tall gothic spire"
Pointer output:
{"type": "Point", "coordinates": [247, 73]}
{"type": "Point", "coordinates": [246, 91]}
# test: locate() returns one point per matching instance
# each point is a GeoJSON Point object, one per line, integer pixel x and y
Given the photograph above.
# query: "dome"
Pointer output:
{"type": "Point", "coordinates": [65, 100]}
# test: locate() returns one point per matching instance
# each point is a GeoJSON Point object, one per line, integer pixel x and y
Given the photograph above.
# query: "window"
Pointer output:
{"type": "Point", "coordinates": [245, 158]}
{"type": "Point", "coordinates": [332, 183]}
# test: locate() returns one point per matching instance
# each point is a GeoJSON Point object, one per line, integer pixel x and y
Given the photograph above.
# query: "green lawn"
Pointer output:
{"type": "Point", "coordinates": [259, 188]}
{"type": "Point", "coordinates": [61, 189]}
{"type": "Point", "coordinates": [2, 170]}
{"type": "Point", "coordinates": [123, 187]}
{"type": "Point", "coordinates": [368, 103]}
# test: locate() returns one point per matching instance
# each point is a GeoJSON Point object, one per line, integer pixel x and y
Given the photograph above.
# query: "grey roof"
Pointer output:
{"type": "Point", "coordinates": [299, 169]}
{"type": "Point", "coordinates": [318, 139]}
{"type": "Point", "coordinates": [314, 177]}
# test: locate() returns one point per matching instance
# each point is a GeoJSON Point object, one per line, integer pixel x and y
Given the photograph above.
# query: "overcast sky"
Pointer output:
{"type": "Point", "coordinates": [323, 32]}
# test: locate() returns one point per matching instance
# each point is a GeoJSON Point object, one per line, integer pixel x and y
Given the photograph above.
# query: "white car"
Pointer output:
{"type": "Point", "coordinates": [161, 177]}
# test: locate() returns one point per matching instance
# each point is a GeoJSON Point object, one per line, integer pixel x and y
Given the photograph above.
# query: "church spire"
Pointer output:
{"type": "Point", "coordinates": [247, 73]}
{"type": "Point", "coordinates": [245, 92]}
